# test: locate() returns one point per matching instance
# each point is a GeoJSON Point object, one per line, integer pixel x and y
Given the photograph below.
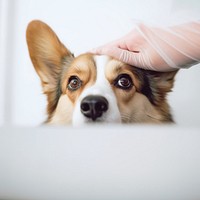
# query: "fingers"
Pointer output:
{"type": "Point", "coordinates": [125, 56]}
{"type": "Point", "coordinates": [112, 51]}
{"type": "Point", "coordinates": [136, 59]}
{"type": "Point", "coordinates": [102, 50]}
{"type": "Point", "coordinates": [132, 58]}
{"type": "Point", "coordinates": [97, 51]}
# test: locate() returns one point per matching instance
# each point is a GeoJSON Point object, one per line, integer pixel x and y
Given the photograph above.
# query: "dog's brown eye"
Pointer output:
{"type": "Point", "coordinates": [123, 81]}
{"type": "Point", "coordinates": [74, 83]}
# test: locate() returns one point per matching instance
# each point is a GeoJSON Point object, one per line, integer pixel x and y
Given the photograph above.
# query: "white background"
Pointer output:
{"type": "Point", "coordinates": [81, 25]}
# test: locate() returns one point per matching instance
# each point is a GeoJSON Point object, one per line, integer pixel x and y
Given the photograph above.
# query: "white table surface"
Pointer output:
{"type": "Point", "coordinates": [100, 162]}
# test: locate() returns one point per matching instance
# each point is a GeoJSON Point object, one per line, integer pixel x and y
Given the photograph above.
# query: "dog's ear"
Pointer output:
{"type": "Point", "coordinates": [47, 53]}
{"type": "Point", "coordinates": [164, 81]}
{"type": "Point", "coordinates": [157, 85]}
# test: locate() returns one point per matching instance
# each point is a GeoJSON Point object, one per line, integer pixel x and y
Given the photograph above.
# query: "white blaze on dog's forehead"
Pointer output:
{"type": "Point", "coordinates": [101, 62]}
{"type": "Point", "coordinates": [101, 85]}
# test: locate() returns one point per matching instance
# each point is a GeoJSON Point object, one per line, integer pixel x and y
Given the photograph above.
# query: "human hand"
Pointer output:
{"type": "Point", "coordinates": [157, 49]}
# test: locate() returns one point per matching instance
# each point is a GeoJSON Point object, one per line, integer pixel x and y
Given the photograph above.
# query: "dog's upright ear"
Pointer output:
{"type": "Point", "coordinates": [48, 56]}
{"type": "Point", "coordinates": [47, 53]}
{"type": "Point", "coordinates": [160, 83]}
{"type": "Point", "coordinates": [164, 80]}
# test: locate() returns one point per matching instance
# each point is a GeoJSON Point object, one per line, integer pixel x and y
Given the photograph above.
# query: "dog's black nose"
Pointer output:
{"type": "Point", "coordinates": [93, 106]}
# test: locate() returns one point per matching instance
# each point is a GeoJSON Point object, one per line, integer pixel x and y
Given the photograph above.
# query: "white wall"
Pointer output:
{"type": "Point", "coordinates": [81, 25]}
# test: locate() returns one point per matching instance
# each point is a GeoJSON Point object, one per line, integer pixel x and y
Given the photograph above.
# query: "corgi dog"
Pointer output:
{"type": "Point", "coordinates": [95, 89]}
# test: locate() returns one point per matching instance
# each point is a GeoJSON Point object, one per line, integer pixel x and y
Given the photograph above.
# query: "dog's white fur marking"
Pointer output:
{"type": "Point", "coordinates": [101, 87]}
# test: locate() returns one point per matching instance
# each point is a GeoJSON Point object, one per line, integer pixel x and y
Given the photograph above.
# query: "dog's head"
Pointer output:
{"type": "Point", "coordinates": [91, 88]}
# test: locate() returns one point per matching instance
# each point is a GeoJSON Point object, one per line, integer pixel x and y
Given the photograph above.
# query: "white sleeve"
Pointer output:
{"type": "Point", "coordinates": [179, 46]}
{"type": "Point", "coordinates": [176, 38]}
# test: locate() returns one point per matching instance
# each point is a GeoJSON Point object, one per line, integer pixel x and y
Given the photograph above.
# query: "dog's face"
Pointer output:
{"type": "Point", "coordinates": [93, 89]}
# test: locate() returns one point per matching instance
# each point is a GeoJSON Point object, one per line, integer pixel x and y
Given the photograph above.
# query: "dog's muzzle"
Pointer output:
{"type": "Point", "coordinates": [93, 106]}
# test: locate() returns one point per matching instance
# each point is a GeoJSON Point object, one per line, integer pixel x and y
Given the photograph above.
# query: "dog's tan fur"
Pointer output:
{"type": "Point", "coordinates": [54, 63]}
{"type": "Point", "coordinates": [84, 68]}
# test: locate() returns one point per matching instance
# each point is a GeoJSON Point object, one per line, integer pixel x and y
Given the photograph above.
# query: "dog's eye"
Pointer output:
{"type": "Point", "coordinates": [123, 81]}
{"type": "Point", "coordinates": [74, 83]}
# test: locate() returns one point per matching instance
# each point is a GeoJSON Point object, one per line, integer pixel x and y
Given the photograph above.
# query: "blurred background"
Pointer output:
{"type": "Point", "coordinates": [82, 25]}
